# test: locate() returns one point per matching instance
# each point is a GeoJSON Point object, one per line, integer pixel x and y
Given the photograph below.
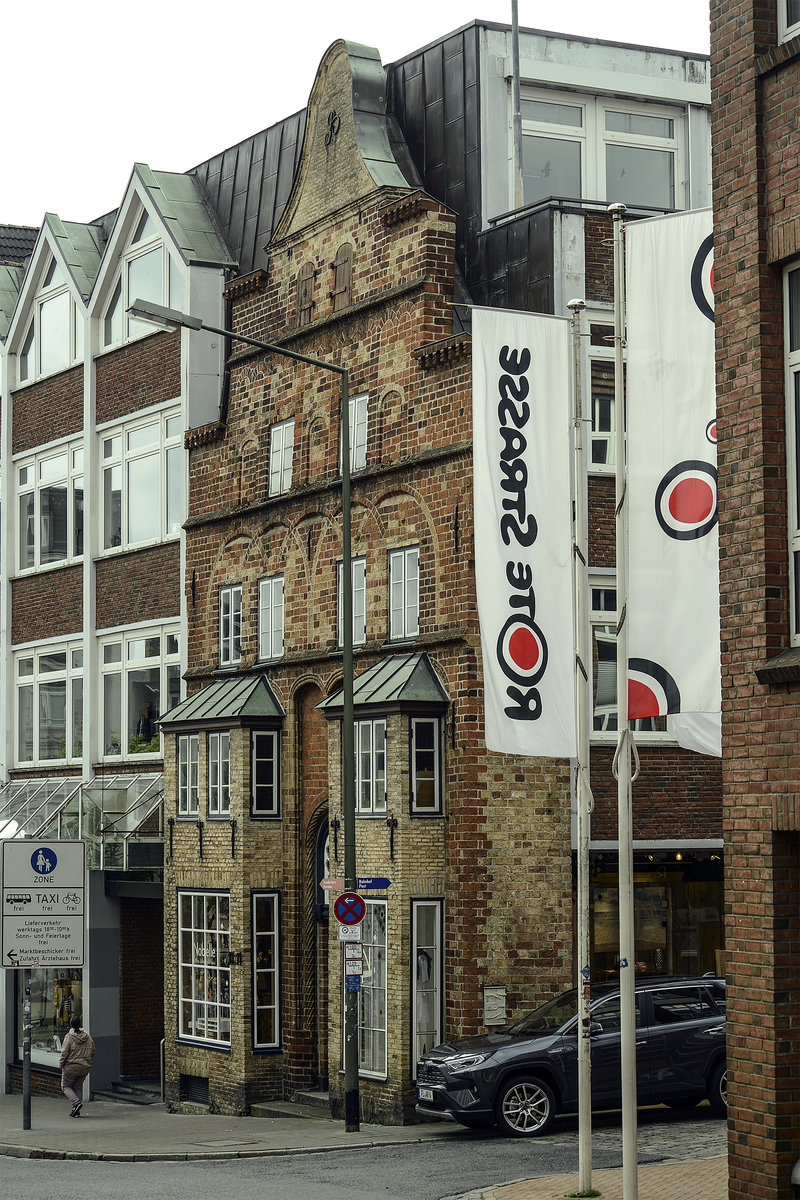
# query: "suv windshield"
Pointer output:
{"type": "Point", "coordinates": [549, 1018]}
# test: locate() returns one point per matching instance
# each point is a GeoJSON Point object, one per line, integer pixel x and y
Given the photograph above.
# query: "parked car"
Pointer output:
{"type": "Point", "coordinates": [523, 1076]}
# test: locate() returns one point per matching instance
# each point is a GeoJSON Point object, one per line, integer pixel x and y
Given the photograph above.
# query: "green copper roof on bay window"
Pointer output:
{"type": "Point", "coordinates": [81, 249]}
{"type": "Point", "coordinates": [406, 680]}
{"type": "Point", "coordinates": [187, 214]}
{"type": "Point", "coordinates": [243, 698]}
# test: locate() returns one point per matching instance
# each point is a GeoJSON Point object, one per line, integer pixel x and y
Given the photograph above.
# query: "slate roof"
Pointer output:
{"type": "Point", "coordinates": [10, 283]}
{"type": "Point", "coordinates": [16, 243]}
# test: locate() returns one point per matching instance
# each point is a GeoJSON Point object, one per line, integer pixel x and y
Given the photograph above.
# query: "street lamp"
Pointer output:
{"type": "Point", "coordinates": [170, 318]}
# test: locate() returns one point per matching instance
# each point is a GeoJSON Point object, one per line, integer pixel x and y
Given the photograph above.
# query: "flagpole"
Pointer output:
{"type": "Point", "coordinates": [582, 786]}
{"type": "Point", "coordinates": [622, 758]}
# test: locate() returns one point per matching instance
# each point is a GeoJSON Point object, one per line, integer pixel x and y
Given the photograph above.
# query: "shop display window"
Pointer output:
{"type": "Point", "coordinates": [56, 997]}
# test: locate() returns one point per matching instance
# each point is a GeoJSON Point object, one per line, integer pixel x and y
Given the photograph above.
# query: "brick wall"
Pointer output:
{"type": "Point", "coordinates": [52, 408]}
{"type": "Point", "coordinates": [138, 375]}
{"type": "Point", "coordinates": [48, 604]}
{"type": "Point", "coordinates": [142, 585]}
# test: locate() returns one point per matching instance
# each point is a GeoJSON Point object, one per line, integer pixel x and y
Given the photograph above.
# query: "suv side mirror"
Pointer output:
{"type": "Point", "coordinates": [595, 1029]}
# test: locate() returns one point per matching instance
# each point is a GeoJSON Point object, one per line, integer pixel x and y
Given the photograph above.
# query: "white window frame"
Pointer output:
{"type": "Point", "coordinates": [29, 361]}
{"type": "Point", "coordinates": [281, 457]}
{"type": "Point", "coordinates": [35, 474]}
{"type": "Point", "coordinates": [359, 577]}
{"type": "Point", "coordinates": [119, 458]}
{"type": "Point", "coordinates": [230, 624]}
{"type": "Point", "coordinates": [373, 996]}
{"type": "Point", "coordinates": [787, 29]}
{"type": "Point", "coordinates": [266, 938]}
{"type": "Point", "coordinates": [427, 998]}
{"type": "Point", "coordinates": [370, 746]}
{"type": "Point", "coordinates": [607, 438]}
{"type": "Point", "coordinates": [116, 326]}
{"type": "Point", "coordinates": [593, 138]}
{"type": "Point", "coordinates": [358, 409]}
{"type": "Point", "coordinates": [404, 593]}
{"type": "Point", "coordinates": [219, 774]}
{"type": "Point", "coordinates": [265, 796]}
{"type": "Point", "coordinates": [270, 617]}
{"type": "Point", "coordinates": [434, 723]}
{"type": "Point", "coordinates": [791, 309]}
{"type": "Point", "coordinates": [603, 623]}
{"type": "Point", "coordinates": [122, 654]}
{"type": "Point", "coordinates": [188, 775]}
{"type": "Point", "coordinates": [204, 975]}
{"type": "Point", "coordinates": [34, 670]}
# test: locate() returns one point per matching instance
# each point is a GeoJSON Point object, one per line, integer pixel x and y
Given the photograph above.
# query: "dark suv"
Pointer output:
{"type": "Point", "coordinates": [522, 1077]}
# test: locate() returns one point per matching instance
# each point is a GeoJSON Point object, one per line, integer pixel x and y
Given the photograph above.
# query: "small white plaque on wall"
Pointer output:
{"type": "Point", "coordinates": [494, 1004]}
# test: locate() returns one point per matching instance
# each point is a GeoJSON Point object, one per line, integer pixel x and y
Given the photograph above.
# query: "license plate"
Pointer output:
{"type": "Point", "coordinates": [426, 1093]}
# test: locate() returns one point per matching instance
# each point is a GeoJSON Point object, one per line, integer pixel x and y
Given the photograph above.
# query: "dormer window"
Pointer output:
{"type": "Point", "coordinates": [54, 338]}
{"type": "Point", "coordinates": [147, 272]}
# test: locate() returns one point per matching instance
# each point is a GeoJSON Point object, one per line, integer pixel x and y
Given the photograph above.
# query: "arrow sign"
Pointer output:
{"type": "Point", "coordinates": [349, 908]}
{"type": "Point", "coordinates": [373, 882]}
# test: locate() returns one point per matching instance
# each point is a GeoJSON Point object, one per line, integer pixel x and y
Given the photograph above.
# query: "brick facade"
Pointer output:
{"type": "Point", "coordinates": [755, 85]}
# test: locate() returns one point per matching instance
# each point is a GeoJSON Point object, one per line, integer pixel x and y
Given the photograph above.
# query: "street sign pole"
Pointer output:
{"type": "Point", "coordinates": [26, 1049]}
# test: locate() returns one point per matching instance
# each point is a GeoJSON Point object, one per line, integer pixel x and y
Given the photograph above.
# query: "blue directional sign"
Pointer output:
{"type": "Point", "coordinates": [374, 882]}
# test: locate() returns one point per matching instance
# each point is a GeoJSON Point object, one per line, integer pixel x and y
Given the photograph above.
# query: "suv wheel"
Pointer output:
{"type": "Point", "coordinates": [525, 1107]}
{"type": "Point", "coordinates": [718, 1090]}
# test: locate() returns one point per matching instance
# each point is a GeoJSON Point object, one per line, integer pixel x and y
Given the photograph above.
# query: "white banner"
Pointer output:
{"type": "Point", "coordinates": [523, 532]}
{"type": "Point", "coordinates": [673, 595]}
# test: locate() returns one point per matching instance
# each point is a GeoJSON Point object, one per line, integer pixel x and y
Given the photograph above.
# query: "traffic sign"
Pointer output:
{"type": "Point", "coordinates": [43, 884]}
{"type": "Point", "coordinates": [332, 885]}
{"type": "Point", "coordinates": [353, 983]}
{"type": "Point", "coordinates": [349, 933]}
{"type": "Point", "coordinates": [373, 883]}
{"type": "Point", "coordinates": [349, 908]}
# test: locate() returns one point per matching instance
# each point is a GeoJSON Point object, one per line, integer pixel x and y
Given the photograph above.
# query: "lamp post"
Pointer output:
{"type": "Point", "coordinates": [170, 318]}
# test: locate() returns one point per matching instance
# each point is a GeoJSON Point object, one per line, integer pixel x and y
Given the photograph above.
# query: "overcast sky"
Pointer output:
{"type": "Point", "coordinates": [91, 88]}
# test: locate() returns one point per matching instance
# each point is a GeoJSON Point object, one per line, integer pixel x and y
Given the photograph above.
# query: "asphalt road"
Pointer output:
{"type": "Point", "coordinates": [423, 1171]}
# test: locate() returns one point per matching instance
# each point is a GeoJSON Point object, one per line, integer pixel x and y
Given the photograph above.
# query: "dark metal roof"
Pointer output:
{"type": "Point", "coordinates": [402, 679]}
{"type": "Point", "coordinates": [242, 698]}
{"type": "Point", "coordinates": [248, 185]}
{"type": "Point", "coordinates": [16, 243]}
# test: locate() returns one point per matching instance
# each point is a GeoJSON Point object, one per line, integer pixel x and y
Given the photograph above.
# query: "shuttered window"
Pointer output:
{"type": "Point", "coordinates": [343, 277]}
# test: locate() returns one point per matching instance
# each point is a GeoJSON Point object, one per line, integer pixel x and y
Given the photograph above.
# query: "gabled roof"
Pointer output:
{"type": "Point", "coordinates": [10, 283]}
{"type": "Point", "coordinates": [81, 247]}
{"type": "Point", "coordinates": [241, 699]}
{"type": "Point", "coordinates": [402, 680]}
{"type": "Point", "coordinates": [184, 209]}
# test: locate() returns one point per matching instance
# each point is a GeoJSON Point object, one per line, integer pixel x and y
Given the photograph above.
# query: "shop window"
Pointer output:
{"type": "Point", "coordinates": [266, 971]}
{"type": "Point", "coordinates": [142, 476]}
{"type": "Point", "coordinates": [49, 684]}
{"type": "Point", "coordinates": [204, 967]}
{"type": "Point", "coordinates": [600, 149]}
{"type": "Point", "coordinates": [219, 774]}
{"type": "Point", "coordinates": [270, 617]}
{"type": "Point", "coordinates": [147, 272]}
{"type": "Point", "coordinates": [56, 997]}
{"type": "Point", "coordinates": [359, 577]}
{"type": "Point", "coordinates": [343, 277]}
{"type": "Point", "coordinates": [426, 934]}
{"type": "Point", "coordinates": [188, 775]}
{"type": "Point", "coordinates": [305, 294]}
{"type": "Point", "coordinates": [372, 1013]}
{"type": "Point", "coordinates": [54, 338]}
{"type": "Point", "coordinates": [230, 625]}
{"type": "Point", "coordinates": [265, 773]}
{"type": "Point", "coordinates": [141, 680]}
{"type": "Point", "coordinates": [404, 593]}
{"type": "Point", "coordinates": [425, 766]}
{"type": "Point", "coordinates": [50, 507]}
{"type": "Point", "coordinates": [281, 451]}
{"type": "Point", "coordinates": [370, 756]}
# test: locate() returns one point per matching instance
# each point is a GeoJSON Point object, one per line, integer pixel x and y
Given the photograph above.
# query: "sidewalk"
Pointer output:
{"type": "Point", "coordinates": [133, 1133]}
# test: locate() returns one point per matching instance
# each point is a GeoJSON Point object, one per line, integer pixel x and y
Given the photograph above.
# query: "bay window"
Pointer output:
{"type": "Point", "coordinates": [204, 988]}
{"type": "Point", "coordinates": [372, 1013]}
{"type": "Point", "coordinates": [265, 773]}
{"type": "Point", "coordinates": [370, 756]}
{"type": "Point", "coordinates": [426, 956]}
{"type": "Point", "coordinates": [425, 770]}
{"type": "Point", "coordinates": [188, 775]}
{"type": "Point", "coordinates": [141, 680]}
{"type": "Point", "coordinates": [142, 478]}
{"type": "Point", "coordinates": [219, 774]}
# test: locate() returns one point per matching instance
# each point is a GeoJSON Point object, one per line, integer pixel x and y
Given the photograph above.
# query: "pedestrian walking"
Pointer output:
{"type": "Point", "coordinates": [77, 1052]}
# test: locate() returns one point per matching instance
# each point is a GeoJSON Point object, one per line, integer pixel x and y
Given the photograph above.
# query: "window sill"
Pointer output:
{"type": "Point", "coordinates": [114, 551]}
{"type": "Point", "coordinates": [43, 568]}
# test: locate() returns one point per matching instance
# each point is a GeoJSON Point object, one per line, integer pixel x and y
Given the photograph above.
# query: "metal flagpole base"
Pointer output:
{"type": "Point", "coordinates": [351, 1113]}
